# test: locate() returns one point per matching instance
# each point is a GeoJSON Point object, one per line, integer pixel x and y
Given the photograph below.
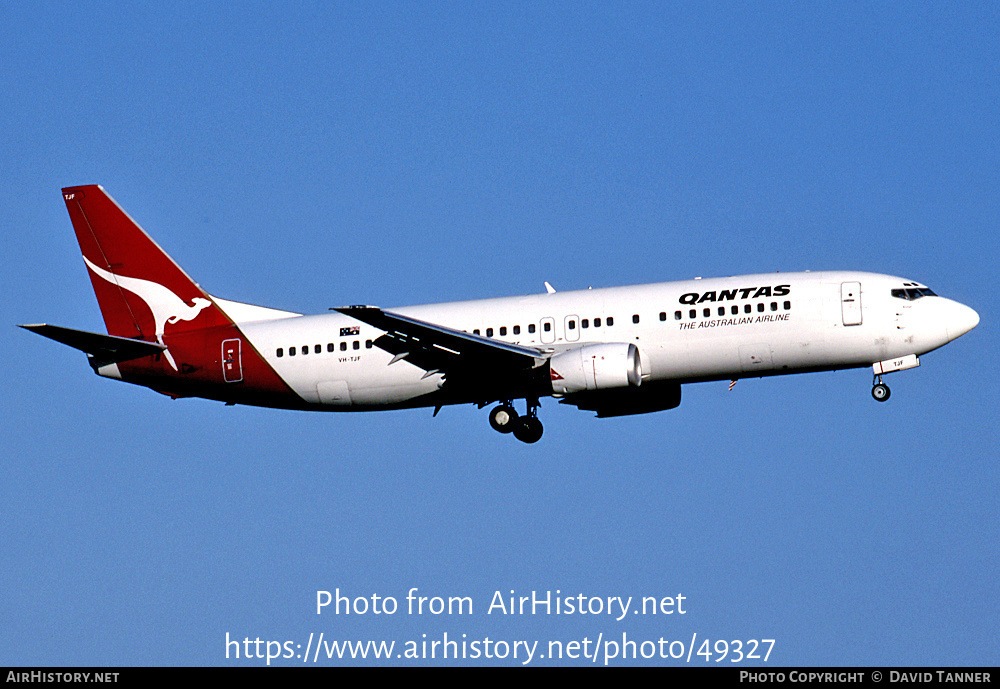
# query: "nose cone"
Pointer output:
{"type": "Point", "coordinates": [960, 320]}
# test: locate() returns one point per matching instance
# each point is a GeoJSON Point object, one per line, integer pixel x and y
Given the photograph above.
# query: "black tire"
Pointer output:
{"type": "Point", "coordinates": [529, 430]}
{"type": "Point", "coordinates": [881, 392]}
{"type": "Point", "coordinates": [504, 419]}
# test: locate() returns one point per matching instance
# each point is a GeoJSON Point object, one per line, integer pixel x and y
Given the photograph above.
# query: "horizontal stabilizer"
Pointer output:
{"type": "Point", "coordinates": [105, 349]}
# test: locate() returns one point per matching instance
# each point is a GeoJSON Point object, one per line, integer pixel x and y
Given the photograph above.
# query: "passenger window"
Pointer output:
{"type": "Point", "coordinates": [788, 305]}
{"type": "Point", "coordinates": [281, 352]}
{"type": "Point", "coordinates": [706, 312]}
{"type": "Point", "coordinates": [318, 349]}
{"type": "Point", "coordinates": [517, 330]}
{"type": "Point", "coordinates": [503, 331]}
{"type": "Point", "coordinates": [635, 318]}
{"type": "Point", "coordinates": [735, 309]}
{"type": "Point", "coordinates": [368, 344]}
{"type": "Point", "coordinates": [663, 315]}
{"type": "Point", "coordinates": [357, 344]}
{"type": "Point", "coordinates": [760, 307]}
{"type": "Point", "coordinates": [572, 325]}
{"type": "Point", "coordinates": [489, 332]}
{"type": "Point", "coordinates": [722, 310]}
{"type": "Point", "coordinates": [585, 323]}
{"type": "Point", "coordinates": [531, 327]}
{"type": "Point", "coordinates": [343, 346]}
{"type": "Point", "coordinates": [677, 315]}
{"type": "Point", "coordinates": [330, 347]}
{"type": "Point", "coordinates": [476, 331]}
{"type": "Point", "coordinates": [597, 322]}
{"type": "Point", "coordinates": [693, 313]}
{"type": "Point", "coordinates": [747, 308]}
{"type": "Point", "coordinates": [547, 326]}
{"type": "Point", "coordinates": [611, 321]}
{"type": "Point", "coordinates": [291, 351]}
{"type": "Point", "coordinates": [774, 306]}
{"type": "Point", "coordinates": [305, 350]}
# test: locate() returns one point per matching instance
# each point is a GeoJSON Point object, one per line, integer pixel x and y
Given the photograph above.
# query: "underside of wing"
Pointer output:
{"type": "Point", "coordinates": [493, 369]}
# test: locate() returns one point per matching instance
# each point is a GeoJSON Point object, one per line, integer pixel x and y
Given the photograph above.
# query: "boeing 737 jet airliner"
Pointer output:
{"type": "Point", "coordinates": [614, 351]}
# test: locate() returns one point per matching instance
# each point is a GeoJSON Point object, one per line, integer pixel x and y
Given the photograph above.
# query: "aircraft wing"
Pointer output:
{"type": "Point", "coordinates": [106, 349]}
{"type": "Point", "coordinates": [436, 348]}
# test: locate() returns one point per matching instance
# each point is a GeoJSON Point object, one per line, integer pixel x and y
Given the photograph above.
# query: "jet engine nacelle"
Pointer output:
{"type": "Point", "coordinates": [595, 367]}
{"type": "Point", "coordinates": [653, 396]}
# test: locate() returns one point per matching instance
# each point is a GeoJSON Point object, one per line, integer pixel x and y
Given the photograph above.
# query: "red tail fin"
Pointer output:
{"type": "Point", "coordinates": [140, 290]}
{"type": "Point", "coordinates": [144, 295]}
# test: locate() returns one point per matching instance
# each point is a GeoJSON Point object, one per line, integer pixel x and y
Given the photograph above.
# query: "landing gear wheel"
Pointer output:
{"type": "Point", "coordinates": [881, 392]}
{"type": "Point", "coordinates": [529, 430]}
{"type": "Point", "coordinates": [504, 419]}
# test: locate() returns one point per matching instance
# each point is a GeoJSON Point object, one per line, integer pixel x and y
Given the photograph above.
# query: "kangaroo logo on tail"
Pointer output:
{"type": "Point", "coordinates": [166, 306]}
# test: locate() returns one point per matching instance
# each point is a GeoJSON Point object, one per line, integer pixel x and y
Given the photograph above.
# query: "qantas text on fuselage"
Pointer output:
{"type": "Point", "coordinates": [615, 351]}
{"type": "Point", "coordinates": [732, 294]}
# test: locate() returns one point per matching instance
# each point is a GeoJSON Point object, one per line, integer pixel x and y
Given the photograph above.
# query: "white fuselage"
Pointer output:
{"type": "Point", "coordinates": [694, 330]}
{"type": "Point", "coordinates": [615, 351]}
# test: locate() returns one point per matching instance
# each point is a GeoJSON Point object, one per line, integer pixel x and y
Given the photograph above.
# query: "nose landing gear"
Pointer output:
{"type": "Point", "coordinates": [880, 391]}
{"type": "Point", "coordinates": [527, 428]}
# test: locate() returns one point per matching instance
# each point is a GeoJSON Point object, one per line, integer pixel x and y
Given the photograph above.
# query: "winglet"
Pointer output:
{"type": "Point", "coordinates": [549, 288]}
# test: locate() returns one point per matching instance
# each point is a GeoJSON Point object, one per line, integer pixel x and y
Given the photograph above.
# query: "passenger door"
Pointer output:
{"type": "Point", "coordinates": [232, 363]}
{"type": "Point", "coordinates": [850, 302]}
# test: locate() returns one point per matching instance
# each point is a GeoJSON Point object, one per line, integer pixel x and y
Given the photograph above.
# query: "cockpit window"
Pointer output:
{"type": "Point", "coordinates": [911, 293]}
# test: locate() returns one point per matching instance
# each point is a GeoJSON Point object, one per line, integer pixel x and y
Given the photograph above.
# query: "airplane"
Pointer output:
{"type": "Point", "coordinates": [614, 351]}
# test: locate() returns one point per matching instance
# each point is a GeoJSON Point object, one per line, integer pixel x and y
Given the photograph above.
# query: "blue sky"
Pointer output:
{"type": "Point", "coordinates": [316, 155]}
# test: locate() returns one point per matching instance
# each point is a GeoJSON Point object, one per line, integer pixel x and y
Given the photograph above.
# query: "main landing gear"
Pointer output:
{"type": "Point", "coordinates": [880, 391]}
{"type": "Point", "coordinates": [527, 428]}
